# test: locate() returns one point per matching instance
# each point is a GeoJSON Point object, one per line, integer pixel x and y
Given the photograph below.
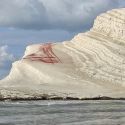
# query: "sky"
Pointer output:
{"type": "Point", "coordinates": [24, 22]}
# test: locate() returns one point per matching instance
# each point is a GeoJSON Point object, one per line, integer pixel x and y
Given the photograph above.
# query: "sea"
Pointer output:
{"type": "Point", "coordinates": [91, 112]}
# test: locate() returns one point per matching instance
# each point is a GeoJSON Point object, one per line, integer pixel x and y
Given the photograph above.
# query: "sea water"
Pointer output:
{"type": "Point", "coordinates": [62, 113]}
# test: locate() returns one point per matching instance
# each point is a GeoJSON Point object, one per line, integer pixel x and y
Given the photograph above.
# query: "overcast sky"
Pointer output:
{"type": "Point", "coordinates": [24, 22]}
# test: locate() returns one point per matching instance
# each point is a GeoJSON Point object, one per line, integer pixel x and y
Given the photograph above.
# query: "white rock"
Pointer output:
{"type": "Point", "coordinates": [92, 64]}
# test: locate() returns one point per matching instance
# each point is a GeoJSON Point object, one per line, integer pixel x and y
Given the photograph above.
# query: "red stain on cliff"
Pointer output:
{"type": "Point", "coordinates": [44, 54]}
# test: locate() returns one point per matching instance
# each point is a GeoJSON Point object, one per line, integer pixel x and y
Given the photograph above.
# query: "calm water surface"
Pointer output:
{"type": "Point", "coordinates": [62, 113]}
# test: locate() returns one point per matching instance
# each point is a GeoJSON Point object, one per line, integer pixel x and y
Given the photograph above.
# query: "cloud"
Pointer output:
{"type": "Point", "coordinates": [70, 15]}
{"type": "Point", "coordinates": [5, 57]}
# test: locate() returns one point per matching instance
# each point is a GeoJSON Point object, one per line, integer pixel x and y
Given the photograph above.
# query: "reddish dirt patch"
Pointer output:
{"type": "Point", "coordinates": [44, 54]}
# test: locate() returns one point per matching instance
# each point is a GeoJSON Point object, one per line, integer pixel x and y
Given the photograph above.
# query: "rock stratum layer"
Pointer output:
{"type": "Point", "coordinates": [91, 65]}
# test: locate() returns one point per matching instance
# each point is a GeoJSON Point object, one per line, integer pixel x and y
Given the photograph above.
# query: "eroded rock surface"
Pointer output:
{"type": "Point", "coordinates": [91, 65]}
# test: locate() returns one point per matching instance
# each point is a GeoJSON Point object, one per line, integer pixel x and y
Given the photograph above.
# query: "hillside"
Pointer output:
{"type": "Point", "coordinates": [91, 65]}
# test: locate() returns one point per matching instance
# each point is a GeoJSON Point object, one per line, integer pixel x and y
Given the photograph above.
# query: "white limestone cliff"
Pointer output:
{"type": "Point", "coordinates": [92, 64]}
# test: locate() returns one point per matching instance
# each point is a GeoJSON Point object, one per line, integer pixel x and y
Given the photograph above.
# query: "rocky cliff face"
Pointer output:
{"type": "Point", "coordinates": [111, 24]}
{"type": "Point", "coordinates": [92, 64]}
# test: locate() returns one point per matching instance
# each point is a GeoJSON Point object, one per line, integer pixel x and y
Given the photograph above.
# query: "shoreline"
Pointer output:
{"type": "Point", "coordinates": [60, 99]}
